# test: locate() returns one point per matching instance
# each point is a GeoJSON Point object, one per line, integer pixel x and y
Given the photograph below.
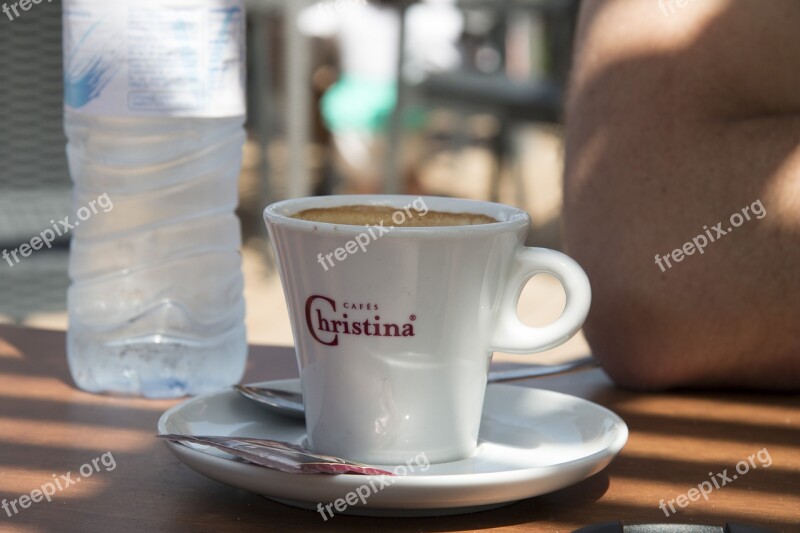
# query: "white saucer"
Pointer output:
{"type": "Point", "coordinates": [531, 442]}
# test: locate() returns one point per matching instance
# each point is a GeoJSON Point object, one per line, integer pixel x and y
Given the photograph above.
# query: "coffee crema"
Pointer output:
{"type": "Point", "coordinates": [375, 215]}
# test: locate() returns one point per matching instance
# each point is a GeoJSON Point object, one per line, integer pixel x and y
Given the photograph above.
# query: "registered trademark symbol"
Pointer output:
{"type": "Point", "coordinates": [413, 317]}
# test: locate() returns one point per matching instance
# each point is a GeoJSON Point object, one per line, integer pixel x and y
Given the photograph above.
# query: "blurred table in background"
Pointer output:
{"type": "Point", "coordinates": [535, 98]}
{"type": "Point", "coordinates": [529, 89]}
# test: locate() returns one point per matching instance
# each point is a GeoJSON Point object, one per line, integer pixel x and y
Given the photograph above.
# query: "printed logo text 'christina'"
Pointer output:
{"type": "Point", "coordinates": [325, 324]}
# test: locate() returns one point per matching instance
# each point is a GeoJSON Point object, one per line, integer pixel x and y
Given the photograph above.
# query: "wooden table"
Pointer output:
{"type": "Point", "coordinates": [49, 428]}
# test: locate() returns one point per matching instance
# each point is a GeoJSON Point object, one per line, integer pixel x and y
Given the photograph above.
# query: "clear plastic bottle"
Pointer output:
{"type": "Point", "coordinates": [155, 305]}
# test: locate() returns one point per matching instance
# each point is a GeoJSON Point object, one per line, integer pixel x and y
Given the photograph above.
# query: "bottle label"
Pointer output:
{"type": "Point", "coordinates": [145, 58]}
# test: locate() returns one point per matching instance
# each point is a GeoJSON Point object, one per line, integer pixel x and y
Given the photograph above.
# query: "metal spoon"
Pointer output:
{"type": "Point", "coordinates": [290, 403]}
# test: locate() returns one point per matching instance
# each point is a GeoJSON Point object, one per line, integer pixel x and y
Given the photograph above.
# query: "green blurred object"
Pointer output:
{"type": "Point", "coordinates": [360, 104]}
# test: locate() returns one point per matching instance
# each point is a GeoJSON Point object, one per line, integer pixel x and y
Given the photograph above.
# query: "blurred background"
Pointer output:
{"type": "Point", "coordinates": [440, 97]}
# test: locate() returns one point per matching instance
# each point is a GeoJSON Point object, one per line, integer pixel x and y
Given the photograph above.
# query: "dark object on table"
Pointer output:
{"type": "Point", "coordinates": [619, 527]}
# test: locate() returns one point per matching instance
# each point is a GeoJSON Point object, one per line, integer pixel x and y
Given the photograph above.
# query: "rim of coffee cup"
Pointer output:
{"type": "Point", "coordinates": [508, 217]}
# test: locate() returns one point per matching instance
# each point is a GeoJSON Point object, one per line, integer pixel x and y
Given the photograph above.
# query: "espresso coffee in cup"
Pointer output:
{"type": "Point", "coordinates": [374, 215]}
{"type": "Point", "coordinates": [397, 304]}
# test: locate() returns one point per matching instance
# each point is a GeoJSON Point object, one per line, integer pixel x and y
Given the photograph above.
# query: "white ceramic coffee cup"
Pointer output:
{"type": "Point", "coordinates": [445, 299]}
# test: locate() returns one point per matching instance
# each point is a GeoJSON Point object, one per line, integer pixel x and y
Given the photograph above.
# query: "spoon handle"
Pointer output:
{"type": "Point", "coordinates": [498, 376]}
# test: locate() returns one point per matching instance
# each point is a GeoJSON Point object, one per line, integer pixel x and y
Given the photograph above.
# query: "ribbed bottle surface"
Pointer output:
{"type": "Point", "coordinates": [155, 303]}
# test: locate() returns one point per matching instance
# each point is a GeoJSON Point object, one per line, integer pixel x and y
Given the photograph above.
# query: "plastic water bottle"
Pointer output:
{"type": "Point", "coordinates": [154, 113]}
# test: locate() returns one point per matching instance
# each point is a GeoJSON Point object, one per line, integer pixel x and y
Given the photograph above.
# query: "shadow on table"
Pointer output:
{"type": "Point", "coordinates": [48, 427]}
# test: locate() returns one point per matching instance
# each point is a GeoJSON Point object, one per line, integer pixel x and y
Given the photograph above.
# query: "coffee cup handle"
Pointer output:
{"type": "Point", "coordinates": [510, 334]}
